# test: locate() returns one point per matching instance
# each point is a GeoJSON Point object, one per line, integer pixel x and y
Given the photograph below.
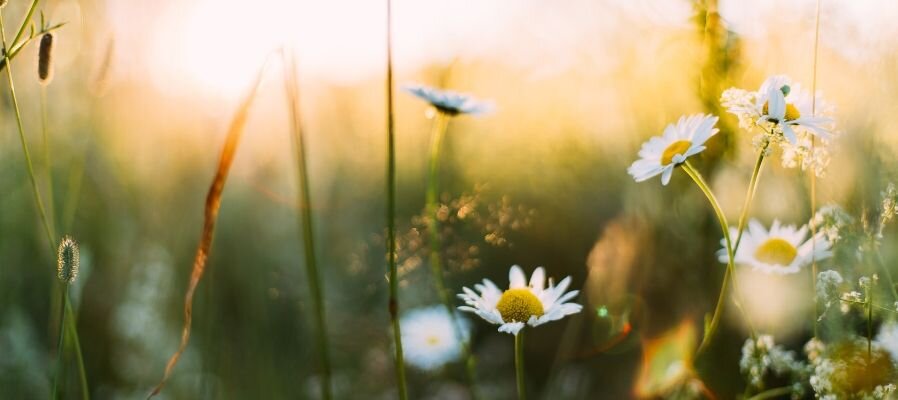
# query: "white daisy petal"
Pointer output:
{"type": "Point", "coordinates": [512, 327]}
{"type": "Point", "coordinates": [538, 279]}
{"type": "Point", "coordinates": [516, 277]}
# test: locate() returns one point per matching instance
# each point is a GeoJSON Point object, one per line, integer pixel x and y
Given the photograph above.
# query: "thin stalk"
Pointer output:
{"type": "Point", "coordinates": [519, 365]}
{"type": "Point", "coordinates": [308, 235]}
{"type": "Point", "coordinates": [749, 196]}
{"type": "Point", "coordinates": [393, 304]}
{"type": "Point", "coordinates": [59, 344]}
{"type": "Point", "coordinates": [69, 319]}
{"type": "Point", "coordinates": [813, 178]}
{"type": "Point", "coordinates": [730, 274]}
{"type": "Point", "coordinates": [68, 327]}
{"type": "Point", "coordinates": [25, 22]}
{"type": "Point", "coordinates": [37, 196]}
{"type": "Point", "coordinates": [48, 167]}
{"type": "Point", "coordinates": [772, 393]}
{"type": "Point", "coordinates": [438, 133]}
{"type": "Point", "coordinates": [869, 309]}
{"type": "Point", "coordinates": [76, 341]}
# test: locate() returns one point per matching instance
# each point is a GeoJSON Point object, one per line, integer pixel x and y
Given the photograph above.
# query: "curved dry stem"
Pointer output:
{"type": "Point", "coordinates": [213, 202]}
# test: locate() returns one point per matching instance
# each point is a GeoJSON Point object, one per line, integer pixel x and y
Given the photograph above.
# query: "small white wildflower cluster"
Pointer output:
{"type": "Point", "coordinates": [846, 371]}
{"type": "Point", "coordinates": [787, 116]}
{"type": "Point", "coordinates": [828, 283]}
{"type": "Point", "coordinates": [763, 355]}
{"type": "Point", "coordinates": [832, 220]}
{"type": "Point", "coordinates": [866, 283]}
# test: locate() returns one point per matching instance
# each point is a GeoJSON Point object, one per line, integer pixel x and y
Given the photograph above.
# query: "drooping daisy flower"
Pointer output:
{"type": "Point", "coordinates": [450, 102]}
{"type": "Point", "coordinates": [429, 339]}
{"type": "Point", "coordinates": [782, 250]}
{"type": "Point", "coordinates": [533, 304]}
{"type": "Point", "coordinates": [788, 117]}
{"type": "Point", "coordinates": [661, 154]}
{"type": "Point", "coordinates": [781, 107]}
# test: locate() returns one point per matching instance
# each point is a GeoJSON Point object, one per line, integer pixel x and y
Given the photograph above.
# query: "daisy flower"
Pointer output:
{"type": "Point", "coordinates": [781, 250]}
{"type": "Point", "coordinates": [522, 304]}
{"type": "Point", "coordinates": [429, 339]}
{"type": "Point", "coordinates": [449, 102]}
{"type": "Point", "coordinates": [661, 154]}
{"type": "Point", "coordinates": [779, 106]}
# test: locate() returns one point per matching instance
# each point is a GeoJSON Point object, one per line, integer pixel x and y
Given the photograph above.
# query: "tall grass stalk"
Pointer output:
{"type": "Point", "coordinates": [7, 63]}
{"type": "Point", "coordinates": [34, 189]}
{"type": "Point", "coordinates": [48, 166]}
{"type": "Point", "coordinates": [519, 365]}
{"type": "Point", "coordinates": [438, 134]}
{"type": "Point", "coordinates": [210, 216]}
{"type": "Point", "coordinates": [730, 274]}
{"type": "Point", "coordinates": [59, 344]}
{"type": "Point", "coordinates": [305, 205]}
{"type": "Point", "coordinates": [393, 302]}
{"type": "Point", "coordinates": [68, 329]}
{"type": "Point", "coordinates": [813, 173]}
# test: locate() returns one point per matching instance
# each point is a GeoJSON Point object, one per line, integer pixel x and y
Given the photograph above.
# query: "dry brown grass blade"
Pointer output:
{"type": "Point", "coordinates": [213, 201]}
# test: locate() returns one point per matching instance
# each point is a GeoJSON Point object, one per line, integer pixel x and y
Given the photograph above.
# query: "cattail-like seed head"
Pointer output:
{"type": "Point", "coordinates": [68, 260]}
{"type": "Point", "coordinates": [45, 59]}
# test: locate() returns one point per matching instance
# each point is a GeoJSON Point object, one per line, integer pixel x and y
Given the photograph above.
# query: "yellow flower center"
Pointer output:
{"type": "Point", "coordinates": [792, 112]}
{"type": "Point", "coordinates": [518, 305]}
{"type": "Point", "coordinates": [432, 340]}
{"type": "Point", "coordinates": [678, 147]}
{"type": "Point", "coordinates": [776, 251]}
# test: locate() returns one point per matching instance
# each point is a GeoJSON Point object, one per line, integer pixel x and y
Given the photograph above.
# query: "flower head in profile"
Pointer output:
{"type": "Point", "coordinates": [780, 107]}
{"type": "Point", "coordinates": [781, 250]}
{"type": "Point", "coordinates": [661, 154]}
{"type": "Point", "coordinates": [522, 304]}
{"type": "Point", "coordinates": [788, 116]}
{"type": "Point", "coordinates": [429, 338]}
{"type": "Point", "coordinates": [450, 102]}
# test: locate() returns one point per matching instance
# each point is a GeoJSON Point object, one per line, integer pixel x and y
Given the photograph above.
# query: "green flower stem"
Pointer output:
{"type": "Point", "coordinates": [438, 133]}
{"type": "Point", "coordinates": [393, 304]}
{"type": "Point", "coordinates": [519, 365]}
{"type": "Point", "coordinates": [730, 274]}
{"type": "Point", "coordinates": [749, 196]}
{"type": "Point", "coordinates": [308, 233]}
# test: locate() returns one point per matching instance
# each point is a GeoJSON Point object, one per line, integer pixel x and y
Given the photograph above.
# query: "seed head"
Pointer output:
{"type": "Point", "coordinates": [45, 59]}
{"type": "Point", "coordinates": [68, 260]}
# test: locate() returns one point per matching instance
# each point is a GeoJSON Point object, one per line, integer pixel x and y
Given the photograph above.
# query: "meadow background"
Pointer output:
{"type": "Point", "coordinates": [143, 92]}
